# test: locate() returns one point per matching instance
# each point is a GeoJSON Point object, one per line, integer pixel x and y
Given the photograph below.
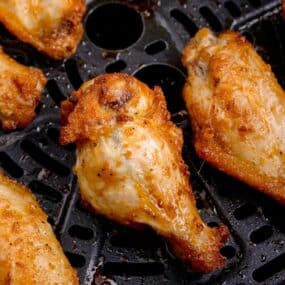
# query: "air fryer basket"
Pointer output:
{"type": "Point", "coordinates": [145, 39]}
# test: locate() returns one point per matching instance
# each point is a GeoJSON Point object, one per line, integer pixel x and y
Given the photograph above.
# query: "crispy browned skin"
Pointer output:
{"type": "Point", "coordinates": [237, 109]}
{"type": "Point", "coordinates": [20, 91]}
{"type": "Point", "coordinates": [53, 27]}
{"type": "Point", "coordinates": [130, 168]}
{"type": "Point", "coordinates": [29, 251]}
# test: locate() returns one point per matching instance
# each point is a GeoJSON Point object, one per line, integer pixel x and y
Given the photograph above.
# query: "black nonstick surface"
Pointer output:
{"type": "Point", "coordinates": [145, 38]}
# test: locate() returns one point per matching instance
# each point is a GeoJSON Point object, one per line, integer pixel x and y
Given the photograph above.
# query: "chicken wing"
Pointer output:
{"type": "Point", "coordinates": [29, 251]}
{"type": "Point", "coordinates": [20, 91]}
{"type": "Point", "coordinates": [53, 27]}
{"type": "Point", "coordinates": [237, 110]}
{"type": "Point", "coordinates": [129, 165]}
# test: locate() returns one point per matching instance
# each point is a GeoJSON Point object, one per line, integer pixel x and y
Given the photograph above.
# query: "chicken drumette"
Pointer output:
{"type": "Point", "coordinates": [237, 109]}
{"type": "Point", "coordinates": [20, 91]}
{"type": "Point", "coordinates": [29, 251]}
{"type": "Point", "coordinates": [129, 165]}
{"type": "Point", "coordinates": [53, 27]}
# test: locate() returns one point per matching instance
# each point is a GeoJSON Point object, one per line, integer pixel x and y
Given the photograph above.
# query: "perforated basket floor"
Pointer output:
{"type": "Point", "coordinates": [145, 38]}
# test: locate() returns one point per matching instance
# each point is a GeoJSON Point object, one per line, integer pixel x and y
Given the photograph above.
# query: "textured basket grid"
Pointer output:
{"type": "Point", "coordinates": [255, 250]}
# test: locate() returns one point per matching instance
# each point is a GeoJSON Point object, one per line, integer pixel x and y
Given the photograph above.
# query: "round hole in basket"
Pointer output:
{"type": "Point", "coordinates": [114, 26]}
{"type": "Point", "coordinates": [169, 78]}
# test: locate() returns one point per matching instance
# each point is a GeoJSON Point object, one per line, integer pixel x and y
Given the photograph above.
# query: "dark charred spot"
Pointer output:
{"type": "Point", "coordinates": [117, 104]}
{"type": "Point", "coordinates": [244, 129]}
{"type": "Point", "coordinates": [101, 80]}
{"type": "Point", "coordinates": [67, 26]}
{"type": "Point", "coordinates": [216, 81]}
{"type": "Point", "coordinates": [123, 118]}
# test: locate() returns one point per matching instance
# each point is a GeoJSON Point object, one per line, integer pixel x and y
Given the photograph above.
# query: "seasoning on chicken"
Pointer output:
{"type": "Point", "coordinates": [237, 109]}
{"type": "Point", "coordinates": [53, 27]}
{"type": "Point", "coordinates": [130, 168]}
{"type": "Point", "coordinates": [29, 251]}
{"type": "Point", "coordinates": [20, 92]}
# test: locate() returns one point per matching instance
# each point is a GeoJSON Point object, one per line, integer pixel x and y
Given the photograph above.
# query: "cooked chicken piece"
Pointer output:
{"type": "Point", "coordinates": [29, 251]}
{"type": "Point", "coordinates": [53, 27]}
{"type": "Point", "coordinates": [237, 109]}
{"type": "Point", "coordinates": [20, 91]}
{"type": "Point", "coordinates": [129, 165]}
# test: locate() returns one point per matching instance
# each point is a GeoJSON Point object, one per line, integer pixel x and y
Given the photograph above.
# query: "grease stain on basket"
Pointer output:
{"type": "Point", "coordinates": [183, 2]}
{"type": "Point", "coordinates": [106, 54]}
{"type": "Point", "coordinates": [147, 7]}
{"type": "Point", "coordinates": [99, 278]}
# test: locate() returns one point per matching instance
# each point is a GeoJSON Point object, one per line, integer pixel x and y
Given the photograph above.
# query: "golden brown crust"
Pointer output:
{"type": "Point", "coordinates": [243, 171]}
{"type": "Point", "coordinates": [205, 260]}
{"type": "Point", "coordinates": [130, 168]}
{"type": "Point", "coordinates": [30, 253]}
{"type": "Point", "coordinates": [20, 92]}
{"type": "Point", "coordinates": [33, 23]}
{"type": "Point", "coordinates": [83, 117]}
{"type": "Point", "coordinates": [237, 110]}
